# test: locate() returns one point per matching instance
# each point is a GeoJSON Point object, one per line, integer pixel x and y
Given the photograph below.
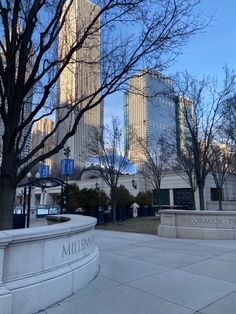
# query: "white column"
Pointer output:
{"type": "Point", "coordinates": [197, 200]}
{"type": "Point", "coordinates": [41, 198]}
{"type": "Point", "coordinates": [44, 197]}
{"type": "Point", "coordinates": [171, 193]}
{"type": "Point", "coordinates": [48, 199]}
{"type": "Point", "coordinates": [32, 201]}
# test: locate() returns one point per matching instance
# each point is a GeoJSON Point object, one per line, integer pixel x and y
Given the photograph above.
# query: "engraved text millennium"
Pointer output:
{"type": "Point", "coordinates": [76, 246]}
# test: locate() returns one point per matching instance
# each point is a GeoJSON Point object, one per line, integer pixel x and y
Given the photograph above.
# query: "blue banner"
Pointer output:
{"type": "Point", "coordinates": [67, 167]}
{"type": "Point", "coordinates": [43, 171]}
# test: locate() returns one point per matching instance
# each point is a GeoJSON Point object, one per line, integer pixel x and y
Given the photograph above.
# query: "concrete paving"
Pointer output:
{"type": "Point", "coordinates": [145, 274]}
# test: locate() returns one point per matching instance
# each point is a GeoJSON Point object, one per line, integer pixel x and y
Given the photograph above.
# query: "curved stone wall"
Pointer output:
{"type": "Point", "coordinates": [208, 225]}
{"type": "Point", "coordinates": [43, 265]}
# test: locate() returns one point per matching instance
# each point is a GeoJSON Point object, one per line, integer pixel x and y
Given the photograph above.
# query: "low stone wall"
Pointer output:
{"type": "Point", "coordinates": [208, 225]}
{"type": "Point", "coordinates": [43, 265]}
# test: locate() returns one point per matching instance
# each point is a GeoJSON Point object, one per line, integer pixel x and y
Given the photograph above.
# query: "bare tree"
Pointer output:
{"type": "Point", "coordinates": [31, 63]}
{"type": "Point", "coordinates": [221, 162]}
{"type": "Point", "coordinates": [207, 97]}
{"type": "Point", "coordinates": [184, 167]}
{"type": "Point", "coordinates": [228, 125]}
{"type": "Point", "coordinates": [110, 157]}
{"type": "Point", "coordinates": [156, 160]}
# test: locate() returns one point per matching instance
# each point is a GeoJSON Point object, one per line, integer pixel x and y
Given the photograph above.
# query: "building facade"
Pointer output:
{"type": "Point", "coordinates": [184, 122]}
{"type": "Point", "coordinates": [42, 128]}
{"type": "Point", "coordinates": [79, 80]}
{"type": "Point", "coordinates": [149, 110]}
{"type": "Point", "coordinates": [175, 192]}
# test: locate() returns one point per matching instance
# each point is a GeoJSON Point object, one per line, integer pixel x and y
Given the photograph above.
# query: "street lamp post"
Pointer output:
{"type": "Point", "coordinates": [100, 216]}
{"type": "Point", "coordinates": [24, 200]}
{"type": "Point", "coordinates": [29, 200]}
{"type": "Point", "coordinates": [97, 186]}
{"type": "Point", "coordinates": [134, 184]}
{"type": "Point", "coordinates": [67, 171]}
{"type": "Point", "coordinates": [62, 200]}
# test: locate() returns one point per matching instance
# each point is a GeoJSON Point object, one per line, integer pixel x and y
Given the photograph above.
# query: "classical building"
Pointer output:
{"type": "Point", "coordinates": [149, 108]}
{"type": "Point", "coordinates": [42, 128]}
{"type": "Point", "coordinates": [174, 193]}
{"type": "Point", "coordinates": [79, 80]}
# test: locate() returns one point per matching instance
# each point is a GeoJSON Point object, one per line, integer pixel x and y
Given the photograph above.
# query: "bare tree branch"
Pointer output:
{"type": "Point", "coordinates": [131, 37]}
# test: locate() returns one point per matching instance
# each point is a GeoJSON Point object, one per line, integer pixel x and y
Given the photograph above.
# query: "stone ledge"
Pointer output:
{"type": "Point", "coordinates": [43, 265]}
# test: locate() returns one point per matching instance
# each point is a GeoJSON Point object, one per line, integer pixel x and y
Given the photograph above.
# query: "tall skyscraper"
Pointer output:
{"type": "Point", "coordinates": [42, 128]}
{"type": "Point", "coordinates": [184, 121]}
{"type": "Point", "coordinates": [79, 80]}
{"type": "Point", "coordinates": [149, 110]}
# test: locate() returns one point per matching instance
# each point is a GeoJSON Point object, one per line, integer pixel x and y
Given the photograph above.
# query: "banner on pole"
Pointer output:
{"type": "Point", "coordinates": [67, 167]}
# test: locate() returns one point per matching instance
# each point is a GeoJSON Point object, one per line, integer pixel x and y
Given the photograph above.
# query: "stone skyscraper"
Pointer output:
{"type": "Point", "coordinates": [184, 115]}
{"type": "Point", "coordinates": [80, 79]}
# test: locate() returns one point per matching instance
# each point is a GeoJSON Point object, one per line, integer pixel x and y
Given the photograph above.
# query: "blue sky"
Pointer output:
{"type": "Point", "coordinates": [206, 53]}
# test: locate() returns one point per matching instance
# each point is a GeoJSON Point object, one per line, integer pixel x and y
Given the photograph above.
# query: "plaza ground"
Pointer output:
{"type": "Point", "coordinates": [145, 274]}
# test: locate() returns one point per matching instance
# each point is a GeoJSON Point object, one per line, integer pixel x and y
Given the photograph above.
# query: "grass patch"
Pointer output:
{"type": "Point", "coordinates": [139, 224]}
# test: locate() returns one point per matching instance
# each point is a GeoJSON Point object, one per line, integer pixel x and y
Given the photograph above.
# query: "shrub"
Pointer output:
{"type": "Point", "coordinates": [91, 199]}
{"type": "Point", "coordinates": [123, 197]}
{"type": "Point", "coordinates": [144, 199]}
{"type": "Point", "coordinates": [71, 196]}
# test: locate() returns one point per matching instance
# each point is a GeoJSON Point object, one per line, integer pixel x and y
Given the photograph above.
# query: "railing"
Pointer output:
{"type": "Point", "coordinates": [18, 209]}
{"type": "Point", "coordinates": [43, 210]}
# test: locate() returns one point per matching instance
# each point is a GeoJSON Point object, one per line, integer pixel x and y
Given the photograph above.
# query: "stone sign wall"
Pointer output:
{"type": "Point", "coordinates": [198, 224]}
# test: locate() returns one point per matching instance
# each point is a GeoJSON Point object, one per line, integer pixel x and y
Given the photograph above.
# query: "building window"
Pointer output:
{"type": "Point", "coordinates": [215, 195]}
{"type": "Point", "coordinates": [183, 198]}
{"type": "Point", "coordinates": [161, 198]}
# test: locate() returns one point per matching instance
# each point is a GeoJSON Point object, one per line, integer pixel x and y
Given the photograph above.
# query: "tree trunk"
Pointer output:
{"type": "Point", "coordinates": [194, 202]}
{"type": "Point", "coordinates": [8, 184]}
{"type": "Point", "coordinates": [7, 201]}
{"type": "Point", "coordinates": [201, 197]}
{"type": "Point", "coordinates": [156, 195]}
{"type": "Point", "coordinates": [219, 190]}
{"type": "Point", "coordinates": [113, 204]}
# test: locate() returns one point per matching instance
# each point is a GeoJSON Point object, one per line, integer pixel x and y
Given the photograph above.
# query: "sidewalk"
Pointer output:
{"type": "Point", "coordinates": [145, 274]}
